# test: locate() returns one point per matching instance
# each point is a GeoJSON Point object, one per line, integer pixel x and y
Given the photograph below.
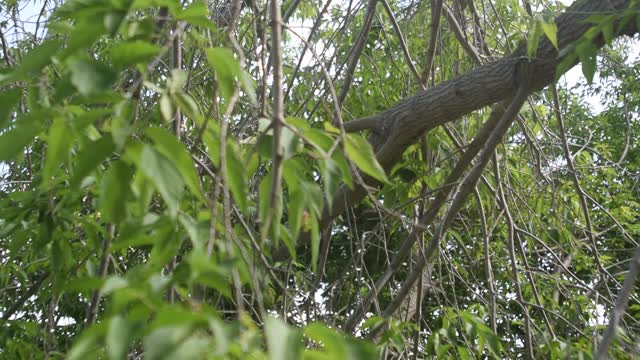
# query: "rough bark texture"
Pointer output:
{"type": "Point", "coordinates": [402, 125]}
{"type": "Point", "coordinates": [395, 129]}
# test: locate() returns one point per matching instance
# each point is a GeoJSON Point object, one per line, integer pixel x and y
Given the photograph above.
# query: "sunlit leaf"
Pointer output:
{"type": "Point", "coordinates": [360, 151]}
{"type": "Point", "coordinates": [236, 177]}
{"type": "Point", "coordinates": [58, 144]}
{"type": "Point", "coordinates": [33, 61]}
{"type": "Point", "coordinates": [114, 192]}
{"type": "Point", "coordinates": [133, 52]}
{"type": "Point", "coordinates": [15, 140]}
{"type": "Point", "coordinates": [118, 337]}
{"type": "Point", "coordinates": [9, 99]}
{"type": "Point", "coordinates": [91, 77]}
{"type": "Point", "coordinates": [282, 341]}
{"type": "Point", "coordinates": [164, 175]}
{"type": "Point", "coordinates": [169, 146]}
{"type": "Point", "coordinates": [550, 30]}
{"type": "Point", "coordinates": [228, 70]}
{"type": "Point", "coordinates": [90, 158]}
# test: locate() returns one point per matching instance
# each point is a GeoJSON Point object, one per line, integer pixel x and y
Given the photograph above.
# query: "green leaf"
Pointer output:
{"type": "Point", "coordinates": [186, 103]}
{"type": "Point", "coordinates": [289, 143]}
{"type": "Point", "coordinates": [166, 108]}
{"type": "Point", "coordinates": [112, 21]}
{"type": "Point", "coordinates": [160, 343]}
{"type": "Point", "coordinates": [587, 53]}
{"type": "Point", "coordinates": [58, 144]}
{"type": "Point", "coordinates": [178, 341]}
{"type": "Point", "coordinates": [118, 337]}
{"type": "Point", "coordinates": [177, 81]}
{"type": "Point", "coordinates": [360, 350]}
{"type": "Point", "coordinates": [315, 242]}
{"type": "Point", "coordinates": [90, 157]}
{"type": "Point", "coordinates": [34, 61]}
{"type": "Point", "coordinates": [283, 342]}
{"type": "Point", "coordinates": [133, 52]}
{"type": "Point", "coordinates": [115, 191]}
{"type": "Point", "coordinates": [264, 191]}
{"type": "Point", "coordinates": [296, 211]}
{"type": "Point", "coordinates": [227, 70]}
{"type": "Point", "coordinates": [248, 85]}
{"type": "Point", "coordinates": [195, 9]}
{"type": "Point", "coordinates": [306, 195]}
{"type": "Point", "coordinates": [333, 342]}
{"type": "Point", "coordinates": [91, 77]}
{"type": "Point", "coordinates": [167, 244]}
{"type": "Point", "coordinates": [565, 64]}
{"type": "Point", "coordinates": [196, 13]}
{"type": "Point", "coordinates": [88, 342]}
{"type": "Point", "coordinates": [551, 31]}
{"type": "Point", "coordinates": [331, 179]}
{"type": "Point", "coordinates": [607, 31]}
{"type": "Point", "coordinates": [198, 231]}
{"type": "Point", "coordinates": [14, 141]}
{"type": "Point", "coordinates": [314, 197]}
{"type": "Point", "coordinates": [164, 175]}
{"type": "Point", "coordinates": [169, 146]}
{"type": "Point", "coordinates": [173, 5]}
{"type": "Point", "coordinates": [9, 99]}
{"type": "Point", "coordinates": [211, 138]}
{"type": "Point", "coordinates": [83, 284]}
{"type": "Point", "coordinates": [343, 164]}
{"type": "Point", "coordinates": [360, 151]}
{"type": "Point", "coordinates": [236, 177]}
{"type": "Point", "coordinates": [226, 67]}
{"type": "Point", "coordinates": [533, 38]}
{"type": "Point", "coordinates": [83, 35]}
{"type": "Point", "coordinates": [292, 171]}
{"type": "Point", "coordinates": [317, 138]}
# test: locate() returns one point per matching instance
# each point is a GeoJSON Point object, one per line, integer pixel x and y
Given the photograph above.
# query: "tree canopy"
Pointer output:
{"type": "Point", "coordinates": [234, 179]}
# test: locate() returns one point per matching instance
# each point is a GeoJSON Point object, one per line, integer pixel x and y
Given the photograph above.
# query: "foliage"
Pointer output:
{"type": "Point", "coordinates": [138, 216]}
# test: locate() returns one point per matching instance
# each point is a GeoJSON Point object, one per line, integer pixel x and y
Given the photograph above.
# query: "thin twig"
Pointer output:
{"type": "Point", "coordinates": [621, 306]}
{"type": "Point", "coordinates": [403, 43]}
{"type": "Point", "coordinates": [436, 12]}
{"type": "Point", "coordinates": [92, 309]}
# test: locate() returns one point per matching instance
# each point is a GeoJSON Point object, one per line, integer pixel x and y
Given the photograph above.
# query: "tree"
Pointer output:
{"type": "Point", "coordinates": [256, 179]}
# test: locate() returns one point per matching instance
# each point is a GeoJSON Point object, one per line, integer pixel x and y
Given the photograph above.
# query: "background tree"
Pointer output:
{"type": "Point", "coordinates": [233, 179]}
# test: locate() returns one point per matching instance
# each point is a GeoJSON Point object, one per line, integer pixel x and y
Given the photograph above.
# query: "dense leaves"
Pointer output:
{"type": "Point", "coordinates": [139, 158]}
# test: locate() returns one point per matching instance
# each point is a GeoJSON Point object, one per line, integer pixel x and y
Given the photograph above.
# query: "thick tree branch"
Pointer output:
{"type": "Point", "coordinates": [466, 186]}
{"type": "Point", "coordinates": [404, 123]}
{"type": "Point", "coordinates": [395, 129]}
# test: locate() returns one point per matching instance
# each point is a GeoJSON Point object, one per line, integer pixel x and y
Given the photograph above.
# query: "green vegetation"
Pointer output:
{"type": "Point", "coordinates": [319, 180]}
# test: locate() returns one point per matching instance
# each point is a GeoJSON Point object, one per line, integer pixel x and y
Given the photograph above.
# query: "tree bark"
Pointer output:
{"type": "Point", "coordinates": [402, 125]}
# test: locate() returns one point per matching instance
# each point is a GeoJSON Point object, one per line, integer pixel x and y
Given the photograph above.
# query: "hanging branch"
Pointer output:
{"type": "Point", "coordinates": [466, 186]}
{"type": "Point", "coordinates": [277, 122]}
{"type": "Point", "coordinates": [436, 12]}
{"type": "Point", "coordinates": [403, 43]}
{"type": "Point", "coordinates": [92, 308]}
{"type": "Point", "coordinates": [357, 51]}
{"type": "Point", "coordinates": [620, 308]}
{"type": "Point", "coordinates": [402, 125]}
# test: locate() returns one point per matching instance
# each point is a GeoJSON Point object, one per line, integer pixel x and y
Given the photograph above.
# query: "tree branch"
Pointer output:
{"type": "Point", "coordinates": [620, 307]}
